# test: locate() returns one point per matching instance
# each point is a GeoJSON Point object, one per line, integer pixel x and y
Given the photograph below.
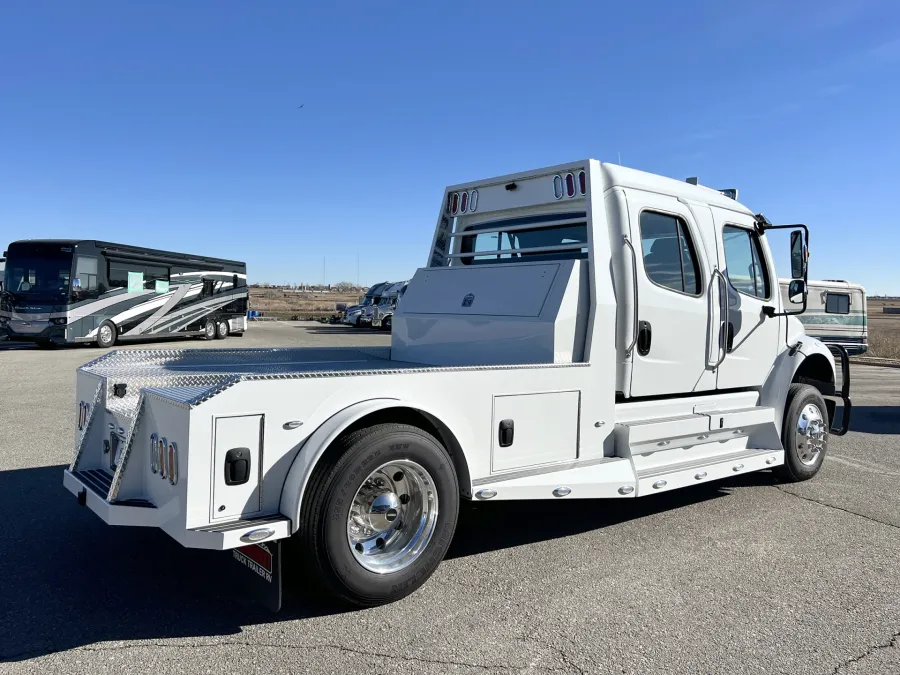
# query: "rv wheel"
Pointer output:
{"type": "Point", "coordinates": [379, 512]}
{"type": "Point", "coordinates": [106, 334]}
{"type": "Point", "coordinates": [222, 330]}
{"type": "Point", "coordinates": [386, 324]}
{"type": "Point", "coordinates": [209, 330]}
{"type": "Point", "coordinates": [804, 433]}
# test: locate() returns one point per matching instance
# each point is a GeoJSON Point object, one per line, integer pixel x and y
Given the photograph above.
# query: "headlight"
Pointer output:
{"type": "Point", "coordinates": [60, 321]}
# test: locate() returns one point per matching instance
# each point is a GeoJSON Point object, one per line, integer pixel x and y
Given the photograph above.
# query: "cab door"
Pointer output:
{"type": "Point", "coordinates": [670, 334]}
{"type": "Point", "coordinates": [750, 337]}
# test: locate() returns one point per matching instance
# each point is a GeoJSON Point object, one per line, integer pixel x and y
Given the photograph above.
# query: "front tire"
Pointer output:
{"type": "Point", "coordinates": [379, 513]}
{"type": "Point", "coordinates": [804, 434]}
{"type": "Point", "coordinates": [107, 334]}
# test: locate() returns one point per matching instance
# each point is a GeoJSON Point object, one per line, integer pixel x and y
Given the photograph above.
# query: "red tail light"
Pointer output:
{"type": "Point", "coordinates": [582, 182]}
{"type": "Point", "coordinates": [464, 203]}
{"type": "Point", "coordinates": [570, 185]}
{"type": "Point", "coordinates": [454, 203]}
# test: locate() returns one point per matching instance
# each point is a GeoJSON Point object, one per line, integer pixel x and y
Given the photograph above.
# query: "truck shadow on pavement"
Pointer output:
{"type": "Point", "coordinates": [875, 419]}
{"type": "Point", "coordinates": [69, 580]}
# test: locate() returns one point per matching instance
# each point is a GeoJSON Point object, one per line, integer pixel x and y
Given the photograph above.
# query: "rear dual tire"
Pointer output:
{"type": "Point", "coordinates": [379, 514]}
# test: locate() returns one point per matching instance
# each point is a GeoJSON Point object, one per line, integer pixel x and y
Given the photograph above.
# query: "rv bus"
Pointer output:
{"type": "Point", "coordinates": [86, 291]}
{"type": "Point", "coordinates": [835, 313]}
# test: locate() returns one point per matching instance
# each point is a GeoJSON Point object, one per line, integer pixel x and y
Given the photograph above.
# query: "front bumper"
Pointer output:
{"type": "Point", "coordinates": [46, 332]}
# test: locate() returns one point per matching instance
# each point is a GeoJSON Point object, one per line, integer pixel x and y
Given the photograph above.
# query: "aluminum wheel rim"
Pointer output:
{"type": "Point", "coordinates": [811, 434]}
{"type": "Point", "coordinates": [105, 334]}
{"type": "Point", "coordinates": [223, 329]}
{"type": "Point", "coordinates": [393, 517]}
{"type": "Point", "coordinates": [211, 329]}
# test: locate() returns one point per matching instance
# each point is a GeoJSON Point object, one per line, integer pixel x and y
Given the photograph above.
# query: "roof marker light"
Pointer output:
{"type": "Point", "coordinates": [473, 200]}
{"type": "Point", "coordinates": [582, 182]}
{"type": "Point", "coordinates": [557, 186]}
{"type": "Point", "coordinates": [464, 202]}
{"type": "Point", "coordinates": [570, 185]}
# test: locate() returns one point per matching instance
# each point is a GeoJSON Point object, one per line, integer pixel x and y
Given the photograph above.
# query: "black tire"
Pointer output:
{"type": "Point", "coordinates": [386, 324]}
{"type": "Point", "coordinates": [107, 339]}
{"type": "Point", "coordinates": [802, 459]}
{"type": "Point", "coordinates": [209, 330]}
{"type": "Point", "coordinates": [357, 325]}
{"type": "Point", "coordinates": [323, 535]}
{"type": "Point", "coordinates": [221, 330]}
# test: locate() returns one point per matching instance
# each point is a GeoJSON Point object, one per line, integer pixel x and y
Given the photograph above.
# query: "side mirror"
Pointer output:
{"type": "Point", "coordinates": [798, 256]}
{"type": "Point", "coordinates": [796, 290]}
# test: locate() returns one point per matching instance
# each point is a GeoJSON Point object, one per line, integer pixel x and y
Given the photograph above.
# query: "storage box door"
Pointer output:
{"type": "Point", "coordinates": [534, 429]}
{"type": "Point", "coordinates": [236, 466]}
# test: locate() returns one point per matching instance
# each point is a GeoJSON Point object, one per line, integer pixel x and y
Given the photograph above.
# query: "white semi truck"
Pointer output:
{"type": "Point", "coordinates": [581, 331]}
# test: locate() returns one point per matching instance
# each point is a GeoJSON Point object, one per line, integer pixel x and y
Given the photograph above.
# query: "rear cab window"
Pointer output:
{"type": "Point", "coordinates": [525, 239]}
{"type": "Point", "coordinates": [670, 259]}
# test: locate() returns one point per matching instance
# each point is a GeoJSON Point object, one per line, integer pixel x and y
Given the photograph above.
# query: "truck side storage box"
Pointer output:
{"type": "Point", "coordinates": [236, 466]}
{"type": "Point", "coordinates": [529, 440]}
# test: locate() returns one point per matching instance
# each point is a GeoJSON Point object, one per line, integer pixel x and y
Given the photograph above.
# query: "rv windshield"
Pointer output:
{"type": "Point", "coordinates": [38, 273]}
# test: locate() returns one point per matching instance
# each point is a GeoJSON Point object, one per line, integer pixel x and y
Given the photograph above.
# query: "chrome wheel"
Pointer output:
{"type": "Point", "coordinates": [811, 434]}
{"type": "Point", "coordinates": [222, 329]}
{"type": "Point", "coordinates": [210, 330]}
{"type": "Point", "coordinates": [106, 334]}
{"type": "Point", "coordinates": [393, 516]}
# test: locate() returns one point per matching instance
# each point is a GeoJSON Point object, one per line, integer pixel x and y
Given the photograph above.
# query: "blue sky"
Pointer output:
{"type": "Point", "coordinates": [176, 124]}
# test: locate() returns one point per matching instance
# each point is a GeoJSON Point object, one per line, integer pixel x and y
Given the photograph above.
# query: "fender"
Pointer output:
{"type": "Point", "coordinates": [787, 363]}
{"type": "Point", "coordinates": [315, 446]}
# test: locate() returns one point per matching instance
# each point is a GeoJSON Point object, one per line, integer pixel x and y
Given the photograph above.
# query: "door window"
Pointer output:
{"type": "Point", "coordinates": [744, 262]}
{"type": "Point", "coordinates": [669, 254]}
{"type": "Point", "coordinates": [84, 285]}
{"type": "Point", "coordinates": [837, 303]}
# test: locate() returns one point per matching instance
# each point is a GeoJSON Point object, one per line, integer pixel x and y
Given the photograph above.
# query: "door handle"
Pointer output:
{"type": "Point", "coordinates": [506, 433]}
{"type": "Point", "coordinates": [645, 336]}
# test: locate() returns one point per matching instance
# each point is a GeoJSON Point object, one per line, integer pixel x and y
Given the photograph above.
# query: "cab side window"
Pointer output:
{"type": "Point", "coordinates": [670, 258]}
{"type": "Point", "coordinates": [744, 262]}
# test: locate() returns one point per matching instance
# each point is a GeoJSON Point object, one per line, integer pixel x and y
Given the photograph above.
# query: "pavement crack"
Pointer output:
{"type": "Point", "coordinates": [892, 642]}
{"type": "Point", "coordinates": [836, 508]}
{"type": "Point", "coordinates": [293, 647]}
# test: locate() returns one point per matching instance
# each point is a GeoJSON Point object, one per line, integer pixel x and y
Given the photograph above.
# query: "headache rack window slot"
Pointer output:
{"type": "Point", "coordinates": [499, 227]}
{"type": "Point", "coordinates": [515, 251]}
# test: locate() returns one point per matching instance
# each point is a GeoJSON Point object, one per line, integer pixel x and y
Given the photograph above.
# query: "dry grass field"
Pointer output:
{"type": "Point", "coordinates": [884, 330]}
{"type": "Point", "coordinates": [276, 302]}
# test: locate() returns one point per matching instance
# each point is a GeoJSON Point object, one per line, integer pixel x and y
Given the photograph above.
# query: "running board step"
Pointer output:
{"type": "Point", "coordinates": [703, 426]}
{"type": "Point", "coordinates": [682, 474]}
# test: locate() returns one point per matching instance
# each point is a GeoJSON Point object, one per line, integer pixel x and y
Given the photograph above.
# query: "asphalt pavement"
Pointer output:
{"type": "Point", "coordinates": [744, 576]}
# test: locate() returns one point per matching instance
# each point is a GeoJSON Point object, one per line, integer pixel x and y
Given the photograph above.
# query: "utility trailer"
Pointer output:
{"type": "Point", "coordinates": [581, 331]}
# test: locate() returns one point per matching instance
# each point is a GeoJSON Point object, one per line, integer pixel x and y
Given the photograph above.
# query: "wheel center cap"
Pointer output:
{"type": "Point", "coordinates": [383, 511]}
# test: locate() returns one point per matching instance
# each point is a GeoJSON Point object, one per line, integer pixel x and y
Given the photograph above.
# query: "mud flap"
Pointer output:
{"type": "Point", "coordinates": [262, 571]}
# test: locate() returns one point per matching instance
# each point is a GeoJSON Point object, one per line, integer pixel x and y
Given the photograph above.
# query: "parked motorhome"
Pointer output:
{"type": "Point", "coordinates": [836, 313]}
{"type": "Point", "coordinates": [580, 331]}
{"type": "Point", "coordinates": [70, 291]}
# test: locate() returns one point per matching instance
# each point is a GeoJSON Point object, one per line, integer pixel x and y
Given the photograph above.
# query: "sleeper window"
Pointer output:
{"type": "Point", "coordinates": [837, 303]}
{"type": "Point", "coordinates": [669, 257]}
{"type": "Point", "coordinates": [744, 264]}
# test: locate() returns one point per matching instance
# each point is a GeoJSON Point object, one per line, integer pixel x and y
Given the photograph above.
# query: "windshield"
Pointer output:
{"type": "Point", "coordinates": [366, 301]}
{"type": "Point", "coordinates": [38, 275]}
{"type": "Point", "coordinates": [384, 301]}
